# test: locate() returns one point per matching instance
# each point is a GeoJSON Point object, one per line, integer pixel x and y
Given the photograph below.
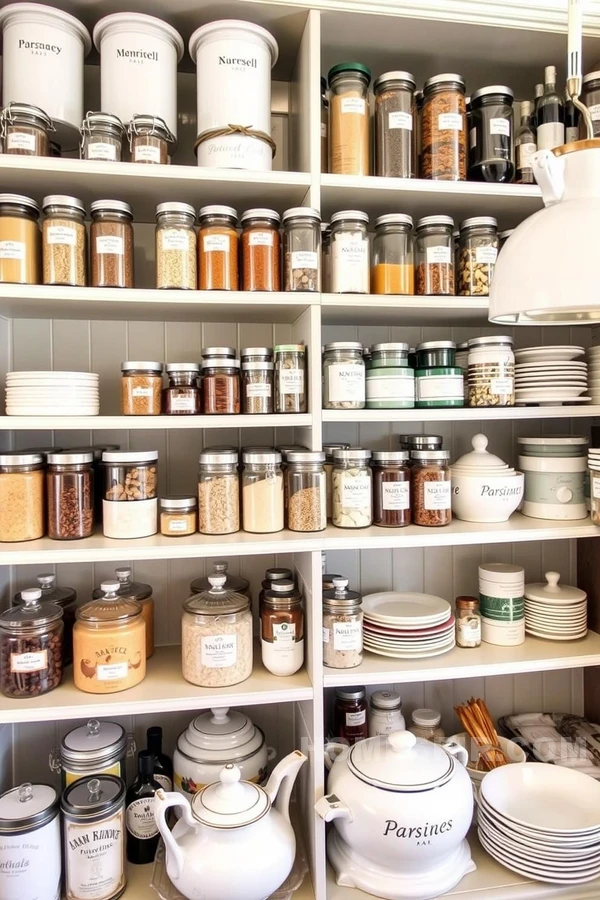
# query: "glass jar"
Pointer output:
{"type": "Point", "coordinates": [342, 626]}
{"type": "Point", "coordinates": [262, 491]}
{"type": "Point", "coordinates": [70, 495]}
{"type": "Point", "coordinates": [325, 257]}
{"type": "Point", "coordinates": [440, 387]}
{"type": "Point", "coordinates": [101, 137]}
{"type": "Point", "coordinates": [218, 491]}
{"type": "Point", "coordinates": [425, 723]}
{"type": "Point", "coordinates": [392, 354]}
{"type": "Point", "coordinates": [21, 497]}
{"type": "Point", "coordinates": [282, 628]}
{"type": "Point", "coordinates": [216, 632]}
{"type": "Point", "coordinates": [301, 249]}
{"type": "Point", "coordinates": [431, 488]}
{"type": "Point", "coordinates": [385, 713]}
{"type": "Point", "coordinates": [109, 643]}
{"type": "Point", "coordinates": [220, 386]}
{"type": "Point", "coordinates": [182, 396]}
{"type": "Point", "coordinates": [418, 132]}
{"type": "Point", "coordinates": [141, 593]}
{"type": "Point", "coordinates": [66, 598]}
{"type": "Point", "coordinates": [412, 442]}
{"type": "Point", "coordinates": [349, 252]}
{"type": "Point", "coordinates": [64, 241]}
{"type": "Point", "coordinates": [491, 135]}
{"type": "Point", "coordinates": [150, 140]}
{"type": "Point", "coordinates": [31, 647]}
{"type": "Point", "coordinates": [434, 257]}
{"type": "Point", "coordinates": [394, 127]}
{"type": "Point", "coordinates": [290, 378]}
{"type": "Point", "coordinates": [491, 371]}
{"type": "Point", "coordinates": [328, 466]}
{"type": "Point", "coordinates": [218, 249]}
{"type": "Point", "coordinates": [96, 748]}
{"type": "Point", "coordinates": [141, 388]}
{"type": "Point", "coordinates": [343, 376]}
{"type": "Point", "coordinates": [591, 98]}
{"type": "Point", "coordinates": [349, 121]}
{"type": "Point", "coordinates": [111, 242]}
{"type": "Point", "coordinates": [20, 241]}
{"type": "Point", "coordinates": [350, 715]}
{"type": "Point", "coordinates": [351, 497]}
{"type": "Point", "coordinates": [444, 129]}
{"type": "Point", "coordinates": [232, 582]}
{"type": "Point", "coordinates": [178, 515]}
{"type": "Point", "coordinates": [306, 491]}
{"type": "Point", "coordinates": [391, 488]}
{"type": "Point", "coordinates": [478, 251]}
{"type": "Point", "coordinates": [25, 130]}
{"type": "Point", "coordinates": [130, 476]}
{"type": "Point", "coordinates": [260, 250]}
{"type": "Point", "coordinates": [436, 353]}
{"type": "Point", "coordinates": [176, 247]}
{"type": "Point", "coordinates": [257, 387]}
{"type": "Point", "coordinates": [393, 269]}
{"type": "Point", "coordinates": [468, 622]}
{"type": "Point", "coordinates": [324, 126]}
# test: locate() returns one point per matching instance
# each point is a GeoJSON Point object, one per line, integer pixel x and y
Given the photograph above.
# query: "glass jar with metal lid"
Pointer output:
{"type": "Point", "coordinates": [394, 126]}
{"type": "Point", "coordinates": [491, 135]}
{"type": "Point", "coordinates": [436, 353]}
{"type": "Point", "coordinates": [260, 250]}
{"type": "Point", "coordinates": [141, 388]}
{"type": "Point", "coordinates": [111, 244]}
{"type": "Point", "coordinates": [425, 723]}
{"type": "Point", "coordinates": [262, 491]}
{"type": "Point", "coordinates": [91, 808]}
{"type": "Point", "coordinates": [218, 353]}
{"type": "Point", "coordinates": [591, 98]}
{"type": "Point", "coordinates": [392, 354]}
{"type": "Point", "coordinates": [25, 130]}
{"type": "Point", "coordinates": [30, 846]}
{"type": "Point", "coordinates": [20, 240]}
{"type": "Point", "coordinates": [393, 270]}
{"type": "Point", "coordinates": [64, 241]}
{"type": "Point", "coordinates": [175, 240]}
{"type": "Point", "coordinates": [444, 129]}
{"type": "Point", "coordinates": [216, 633]}
{"type": "Point", "coordinates": [477, 254]}
{"type": "Point", "coordinates": [257, 387]}
{"type": "Point", "coordinates": [325, 257]}
{"type": "Point", "coordinates": [349, 122]}
{"type": "Point", "coordinates": [306, 491]}
{"type": "Point", "coordinates": [218, 249]}
{"type": "Point", "coordinates": [350, 715]}
{"type": "Point", "coordinates": [109, 643]}
{"type": "Point", "coordinates": [218, 491]}
{"type": "Point", "coordinates": [431, 488]}
{"type": "Point", "coordinates": [391, 488]}
{"type": "Point", "coordinates": [328, 466]}
{"type": "Point", "coordinates": [434, 256]}
{"type": "Point", "coordinates": [290, 378]}
{"type": "Point", "coordinates": [182, 396]}
{"type": "Point", "coordinates": [141, 593]}
{"type": "Point", "coordinates": [101, 137]}
{"type": "Point", "coordinates": [66, 599]}
{"type": "Point", "coordinates": [178, 515]}
{"type": "Point", "coordinates": [491, 373]}
{"type": "Point", "coordinates": [324, 126]}
{"type": "Point", "coordinates": [150, 140]}
{"type": "Point", "coordinates": [342, 626]}
{"type": "Point", "coordinates": [31, 647]}
{"type": "Point", "coordinates": [343, 376]}
{"type": "Point", "coordinates": [301, 249]}
{"type": "Point", "coordinates": [412, 442]}
{"type": "Point", "coordinates": [70, 495]}
{"type": "Point", "coordinates": [221, 386]}
{"type": "Point", "coordinates": [282, 628]}
{"type": "Point", "coordinates": [349, 252]}
{"type": "Point", "coordinates": [385, 713]}
{"type": "Point", "coordinates": [96, 748]}
{"type": "Point", "coordinates": [232, 582]}
{"type": "Point", "coordinates": [351, 494]}
{"type": "Point", "coordinates": [130, 476]}
{"type": "Point", "coordinates": [22, 488]}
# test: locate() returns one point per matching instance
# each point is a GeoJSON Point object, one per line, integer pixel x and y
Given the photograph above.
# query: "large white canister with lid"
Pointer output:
{"type": "Point", "coordinates": [138, 66]}
{"type": "Point", "coordinates": [30, 848]}
{"type": "Point", "coordinates": [233, 65]}
{"type": "Point", "coordinates": [42, 60]}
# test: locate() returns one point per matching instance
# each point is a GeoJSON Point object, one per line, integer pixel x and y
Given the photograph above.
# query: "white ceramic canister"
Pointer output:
{"type": "Point", "coordinates": [503, 634]}
{"type": "Point", "coordinates": [385, 713]}
{"type": "Point", "coordinates": [502, 592]}
{"type": "Point", "coordinates": [42, 63]}
{"type": "Point", "coordinates": [554, 482]}
{"type": "Point", "coordinates": [233, 64]}
{"type": "Point", "coordinates": [30, 854]}
{"type": "Point", "coordinates": [141, 52]}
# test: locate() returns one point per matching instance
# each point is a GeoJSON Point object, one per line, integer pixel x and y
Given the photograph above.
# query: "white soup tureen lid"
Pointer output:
{"type": "Point", "coordinates": [401, 762]}
{"type": "Point", "coordinates": [220, 734]}
{"type": "Point", "coordinates": [230, 802]}
{"type": "Point", "coordinates": [480, 462]}
{"type": "Point", "coordinates": [551, 591]}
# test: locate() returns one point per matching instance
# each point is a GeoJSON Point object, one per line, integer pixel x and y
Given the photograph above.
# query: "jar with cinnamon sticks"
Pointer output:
{"type": "Point", "coordinates": [260, 250]}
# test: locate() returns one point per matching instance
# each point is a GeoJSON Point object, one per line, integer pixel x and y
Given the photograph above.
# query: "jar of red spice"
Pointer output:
{"type": "Point", "coordinates": [218, 249]}
{"type": "Point", "coordinates": [350, 715]}
{"type": "Point", "coordinates": [220, 386]}
{"type": "Point", "coordinates": [391, 488]}
{"type": "Point", "coordinates": [260, 250]}
{"type": "Point", "coordinates": [182, 397]}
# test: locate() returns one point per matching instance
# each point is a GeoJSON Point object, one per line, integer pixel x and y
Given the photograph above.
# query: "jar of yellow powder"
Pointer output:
{"type": "Point", "coordinates": [21, 496]}
{"type": "Point", "coordinates": [20, 240]}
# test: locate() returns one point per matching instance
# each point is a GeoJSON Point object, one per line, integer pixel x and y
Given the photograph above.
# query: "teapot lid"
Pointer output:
{"type": "Point", "coordinates": [220, 729]}
{"type": "Point", "coordinates": [552, 592]}
{"type": "Point", "coordinates": [230, 802]}
{"type": "Point", "coordinates": [480, 461]}
{"type": "Point", "coordinates": [401, 762]}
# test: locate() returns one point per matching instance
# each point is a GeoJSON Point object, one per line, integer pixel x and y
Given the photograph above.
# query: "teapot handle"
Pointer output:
{"type": "Point", "coordinates": [549, 171]}
{"type": "Point", "coordinates": [458, 751]}
{"type": "Point", "coordinates": [164, 800]}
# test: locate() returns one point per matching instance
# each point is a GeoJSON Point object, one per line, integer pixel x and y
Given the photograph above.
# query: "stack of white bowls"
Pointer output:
{"type": "Point", "coordinates": [52, 394]}
{"type": "Point", "coordinates": [555, 612]}
{"type": "Point", "coordinates": [593, 357]}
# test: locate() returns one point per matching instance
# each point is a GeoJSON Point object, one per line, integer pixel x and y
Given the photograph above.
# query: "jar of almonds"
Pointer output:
{"type": "Point", "coordinates": [477, 254]}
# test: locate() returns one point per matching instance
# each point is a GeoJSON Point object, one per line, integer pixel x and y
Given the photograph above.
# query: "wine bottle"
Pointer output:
{"type": "Point", "coordinates": [163, 765]}
{"type": "Point", "coordinates": [571, 120]}
{"type": "Point", "coordinates": [550, 114]}
{"type": "Point", "coordinates": [537, 96]}
{"type": "Point", "coordinates": [525, 145]}
{"type": "Point", "coordinates": [142, 831]}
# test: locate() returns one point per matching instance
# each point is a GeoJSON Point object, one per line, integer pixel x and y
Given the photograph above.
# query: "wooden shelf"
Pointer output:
{"type": "Point", "coordinates": [364, 416]}
{"type": "Point", "coordinates": [380, 309]}
{"type": "Point", "coordinates": [149, 423]}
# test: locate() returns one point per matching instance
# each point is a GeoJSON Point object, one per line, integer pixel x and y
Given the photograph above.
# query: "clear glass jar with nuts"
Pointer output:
{"type": "Point", "coordinates": [70, 495]}
{"type": "Point", "coordinates": [491, 371]}
{"type": "Point", "coordinates": [477, 254]}
{"type": "Point", "coordinates": [31, 647]}
{"type": "Point", "coordinates": [130, 476]}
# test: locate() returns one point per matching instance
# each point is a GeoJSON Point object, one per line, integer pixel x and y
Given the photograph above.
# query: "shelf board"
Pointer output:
{"type": "Point", "coordinates": [491, 413]}
{"type": "Point", "coordinates": [149, 423]}
{"type": "Point", "coordinates": [163, 690]}
{"type": "Point", "coordinates": [384, 309]}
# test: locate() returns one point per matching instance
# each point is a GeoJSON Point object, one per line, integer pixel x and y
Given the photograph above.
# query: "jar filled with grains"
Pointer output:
{"type": "Point", "coordinates": [350, 715]}
{"type": "Point", "coordinates": [257, 387]}
{"type": "Point", "coordinates": [21, 496]}
{"type": "Point", "coordinates": [306, 491]}
{"type": "Point", "coordinates": [290, 378]}
{"type": "Point", "coordinates": [393, 269]}
{"type": "Point", "coordinates": [141, 388]}
{"type": "Point", "coordinates": [431, 488]}
{"type": "Point", "coordinates": [111, 240]}
{"type": "Point", "coordinates": [324, 126]}
{"type": "Point", "coordinates": [342, 626]}
{"type": "Point", "coordinates": [150, 140]}
{"type": "Point", "coordinates": [282, 628]}
{"type": "Point", "coordinates": [218, 249]}
{"type": "Point", "coordinates": [220, 386]}
{"type": "Point", "coordinates": [182, 396]}
{"type": "Point", "coordinates": [328, 466]}
{"type": "Point", "coordinates": [325, 257]}
{"type": "Point", "coordinates": [176, 247]}
{"type": "Point", "coordinates": [301, 249]}
{"type": "Point", "coordinates": [343, 376]}
{"type": "Point", "coordinates": [31, 646]}
{"type": "Point", "coordinates": [434, 257]}
{"type": "Point", "coordinates": [262, 491]}
{"type": "Point", "coordinates": [20, 242]}
{"type": "Point", "coordinates": [178, 515]}
{"type": "Point", "coordinates": [260, 250]}
{"type": "Point", "coordinates": [351, 500]}
{"type": "Point", "coordinates": [394, 126]}
{"type": "Point", "coordinates": [349, 122]}
{"type": "Point", "coordinates": [477, 255]}
{"type": "Point", "coordinates": [218, 491]}
{"type": "Point", "coordinates": [349, 252]}
{"type": "Point", "coordinates": [130, 476]}
{"type": "Point", "coordinates": [64, 241]}
{"type": "Point", "coordinates": [25, 130]}
{"type": "Point", "coordinates": [70, 495]}
{"type": "Point", "coordinates": [491, 368]}
{"type": "Point", "coordinates": [444, 129]}
{"type": "Point", "coordinates": [101, 137]}
{"type": "Point", "coordinates": [391, 488]}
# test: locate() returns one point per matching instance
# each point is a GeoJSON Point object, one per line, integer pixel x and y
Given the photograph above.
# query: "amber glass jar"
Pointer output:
{"type": "Point", "coordinates": [218, 249]}
{"type": "Point", "coordinates": [282, 628]}
{"type": "Point", "coordinates": [260, 250]}
{"type": "Point", "coordinates": [351, 715]}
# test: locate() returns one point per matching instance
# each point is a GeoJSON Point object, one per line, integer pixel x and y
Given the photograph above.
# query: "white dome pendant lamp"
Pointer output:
{"type": "Point", "coordinates": [547, 272]}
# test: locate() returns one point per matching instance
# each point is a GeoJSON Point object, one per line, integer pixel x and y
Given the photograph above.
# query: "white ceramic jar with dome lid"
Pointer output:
{"type": "Point", "coordinates": [555, 612]}
{"type": "Point", "coordinates": [30, 848]}
{"type": "Point", "coordinates": [484, 488]}
{"type": "Point", "coordinates": [385, 713]}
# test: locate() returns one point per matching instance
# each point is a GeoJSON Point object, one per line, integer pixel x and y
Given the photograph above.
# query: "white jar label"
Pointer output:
{"type": "Point", "coordinates": [390, 387]}
{"type": "Point", "coordinates": [102, 150]}
{"type": "Point", "coordinates": [524, 154]}
{"type": "Point", "coordinates": [437, 494]}
{"type": "Point", "coordinates": [12, 250]}
{"type": "Point", "coordinates": [142, 392]}
{"type": "Point", "coordinates": [61, 234]}
{"type": "Point", "coordinates": [356, 492]}
{"type": "Point", "coordinates": [400, 120]}
{"type": "Point", "coordinates": [594, 111]}
{"type": "Point", "coordinates": [305, 259]}
{"type": "Point", "coordinates": [501, 386]}
{"type": "Point", "coordinates": [112, 671]}
{"type": "Point", "coordinates": [450, 122]}
{"type": "Point", "coordinates": [356, 718]}
{"type": "Point", "coordinates": [140, 819]}
{"type": "Point", "coordinates": [17, 140]}
{"type": "Point", "coordinates": [258, 390]}
{"type": "Point", "coordinates": [178, 525]}
{"type": "Point", "coordinates": [346, 382]}
{"type": "Point", "coordinates": [323, 129]}
{"type": "Point", "coordinates": [500, 126]}
{"type": "Point", "coordinates": [30, 863]}
{"type": "Point", "coordinates": [219, 651]}
{"type": "Point", "coordinates": [95, 858]}
{"type": "Point", "coordinates": [354, 105]}
{"type": "Point", "coordinates": [165, 782]}
{"type": "Point", "coordinates": [468, 631]}
{"type": "Point", "coordinates": [595, 487]}
{"type": "Point", "coordinates": [350, 264]}
{"type": "Point", "coordinates": [146, 153]}
{"type": "Point", "coordinates": [440, 387]}
{"type": "Point", "coordinates": [260, 239]}
{"type": "Point", "coordinates": [110, 243]}
{"type": "Point", "coordinates": [487, 255]}
{"type": "Point", "coordinates": [395, 495]}
{"type": "Point", "coordinates": [440, 254]}
{"type": "Point", "coordinates": [285, 633]}
{"type": "Point", "coordinates": [174, 239]}
{"type": "Point", "coordinates": [182, 403]}
{"type": "Point", "coordinates": [326, 635]}
{"type": "Point", "coordinates": [291, 381]}
{"type": "Point", "coordinates": [215, 242]}
{"type": "Point", "coordinates": [347, 636]}
{"type": "Point", "coordinates": [550, 135]}
{"type": "Point", "coordinates": [29, 662]}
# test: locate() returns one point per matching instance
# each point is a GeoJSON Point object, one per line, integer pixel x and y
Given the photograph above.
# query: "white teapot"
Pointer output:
{"type": "Point", "coordinates": [235, 839]}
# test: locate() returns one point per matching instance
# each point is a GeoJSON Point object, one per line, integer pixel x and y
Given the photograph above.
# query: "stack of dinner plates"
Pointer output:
{"type": "Point", "coordinates": [593, 356]}
{"type": "Point", "coordinates": [556, 612]}
{"type": "Point", "coordinates": [407, 625]}
{"type": "Point", "coordinates": [551, 376]}
{"type": "Point", "coordinates": [52, 394]}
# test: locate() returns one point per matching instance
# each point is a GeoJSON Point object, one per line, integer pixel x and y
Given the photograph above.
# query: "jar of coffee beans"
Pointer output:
{"type": "Point", "coordinates": [31, 647]}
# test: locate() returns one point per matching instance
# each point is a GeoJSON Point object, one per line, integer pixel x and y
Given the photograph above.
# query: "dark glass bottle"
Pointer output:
{"type": "Point", "coordinates": [525, 146]}
{"type": "Point", "coordinates": [537, 96]}
{"type": "Point", "coordinates": [571, 121]}
{"type": "Point", "coordinates": [163, 764]}
{"type": "Point", "coordinates": [550, 116]}
{"type": "Point", "coordinates": [142, 831]}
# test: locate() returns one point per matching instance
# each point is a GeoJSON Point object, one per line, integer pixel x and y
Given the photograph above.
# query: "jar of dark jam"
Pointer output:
{"type": "Point", "coordinates": [182, 396]}
{"type": "Point", "coordinates": [350, 715]}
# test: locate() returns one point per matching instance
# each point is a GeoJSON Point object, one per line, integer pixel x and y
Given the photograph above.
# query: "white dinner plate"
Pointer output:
{"type": "Point", "coordinates": [566, 851]}
{"type": "Point", "coordinates": [521, 401]}
{"type": "Point", "coordinates": [517, 863]}
{"type": "Point", "coordinates": [410, 647]}
{"type": "Point", "coordinates": [391, 630]}
{"type": "Point", "coordinates": [555, 637]}
{"type": "Point", "coordinates": [46, 411]}
{"type": "Point", "coordinates": [406, 608]}
{"type": "Point", "coordinates": [539, 859]}
{"type": "Point", "coordinates": [559, 393]}
{"type": "Point", "coordinates": [558, 352]}
{"type": "Point", "coordinates": [402, 654]}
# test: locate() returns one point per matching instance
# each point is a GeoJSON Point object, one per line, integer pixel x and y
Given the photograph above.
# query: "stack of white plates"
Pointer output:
{"type": "Point", "coordinates": [407, 625]}
{"type": "Point", "coordinates": [550, 376]}
{"type": "Point", "coordinates": [593, 356]}
{"type": "Point", "coordinates": [555, 612]}
{"type": "Point", "coordinates": [542, 821]}
{"type": "Point", "coordinates": [52, 394]}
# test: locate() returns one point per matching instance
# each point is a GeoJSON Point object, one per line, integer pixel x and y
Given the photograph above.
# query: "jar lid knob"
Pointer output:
{"type": "Point", "coordinates": [220, 566]}
{"type": "Point", "coordinates": [30, 596]}
{"type": "Point", "coordinates": [47, 579]}
{"type": "Point", "coordinates": [93, 727]}
{"type": "Point", "coordinates": [340, 585]}
{"type": "Point", "coordinates": [479, 443]}
{"type": "Point", "coordinates": [217, 582]}
{"type": "Point", "coordinates": [93, 787]}
{"type": "Point", "coordinates": [110, 587]}
{"type": "Point", "coordinates": [123, 573]}
{"type": "Point", "coordinates": [25, 792]}
{"type": "Point", "coordinates": [402, 741]}
{"type": "Point", "coordinates": [552, 578]}
{"type": "Point", "coordinates": [219, 715]}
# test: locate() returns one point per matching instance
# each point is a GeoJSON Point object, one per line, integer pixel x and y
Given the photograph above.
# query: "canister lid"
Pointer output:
{"type": "Point", "coordinates": [275, 573]}
{"type": "Point", "coordinates": [112, 122]}
{"type": "Point", "coordinates": [301, 212]}
{"type": "Point", "coordinates": [257, 366]}
{"type": "Point", "coordinates": [430, 455]}
{"type": "Point", "coordinates": [350, 693]}
{"type": "Point", "coordinates": [220, 729]}
{"type": "Point", "coordinates": [435, 220]}
{"type": "Point", "coordinates": [555, 441]}
{"type": "Point", "coordinates": [62, 200]}
{"type": "Point", "coordinates": [95, 741]}
{"type": "Point", "coordinates": [110, 606]}
{"type": "Point", "coordinates": [381, 457]}
{"type": "Point", "coordinates": [20, 459]}
{"type": "Point", "coordinates": [183, 367]}
{"type": "Point", "coordinates": [422, 441]}
{"type": "Point", "coordinates": [426, 718]}
{"type": "Point", "coordinates": [132, 590]}
{"type": "Point", "coordinates": [218, 351]}
{"type": "Point", "coordinates": [93, 796]}
{"type": "Point", "coordinates": [216, 210]}
{"type": "Point", "coordinates": [331, 447]}
{"type": "Point", "coordinates": [181, 501]}
{"type": "Point", "coordinates": [272, 457]}
{"type": "Point", "coordinates": [445, 78]}
{"type": "Point", "coordinates": [111, 206]}
{"type": "Point", "coordinates": [145, 124]}
{"type": "Point", "coordinates": [260, 213]}
{"type": "Point", "coordinates": [232, 582]}
{"type": "Point", "coordinates": [175, 207]}
{"type": "Point", "coordinates": [18, 199]}
{"type": "Point", "coordinates": [357, 67]}
{"type": "Point", "coordinates": [289, 348]}
{"type": "Point", "coordinates": [591, 76]}
{"type": "Point", "coordinates": [502, 573]}
{"type": "Point", "coordinates": [475, 221]}
{"type": "Point", "coordinates": [219, 456]}
{"type": "Point", "coordinates": [493, 89]}
{"type": "Point", "coordinates": [480, 462]}
{"type": "Point", "coordinates": [70, 459]}
{"type": "Point", "coordinates": [51, 592]}
{"type": "Point", "coordinates": [141, 366]}
{"type": "Point", "coordinates": [553, 593]}
{"type": "Point", "coordinates": [217, 362]}
{"type": "Point", "coordinates": [344, 345]}
{"type": "Point", "coordinates": [401, 762]}
{"type": "Point", "coordinates": [256, 351]}
{"type": "Point", "coordinates": [394, 219]}
{"type": "Point", "coordinates": [387, 77]}
{"type": "Point", "coordinates": [351, 454]}
{"type": "Point", "coordinates": [130, 456]}
{"type": "Point", "coordinates": [31, 612]}
{"type": "Point", "coordinates": [27, 807]}
{"type": "Point", "coordinates": [230, 802]}
{"type": "Point", "coordinates": [340, 595]}
{"type": "Point", "coordinates": [490, 340]}
{"type": "Point", "coordinates": [386, 700]}
{"type": "Point", "coordinates": [390, 347]}
{"type": "Point", "coordinates": [217, 600]}
{"type": "Point", "coordinates": [350, 214]}
{"type": "Point", "coordinates": [436, 345]}
{"type": "Point", "coordinates": [305, 456]}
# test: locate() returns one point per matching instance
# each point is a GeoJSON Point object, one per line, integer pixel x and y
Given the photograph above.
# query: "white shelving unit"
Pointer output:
{"type": "Point", "coordinates": [95, 329]}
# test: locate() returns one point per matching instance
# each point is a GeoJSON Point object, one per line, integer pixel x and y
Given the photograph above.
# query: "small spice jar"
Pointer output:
{"type": "Point", "coordinates": [434, 257]}
{"type": "Point", "coordinates": [22, 490]}
{"type": "Point", "coordinates": [220, 386]}
{"type": "Point", "coordinates": [350, 715]}
{"type": "Point", "coordinates": [325, 257]}
{"type": "Point", "coordinates": [351, 495]}
{"type": "Point", "coordinates": [20, 242]}
{"type": "Point", "coordinates": [262, 491]}
{"type": "Point", "coordinates": [141, 388]}
{"type": "Point", "coordinates": [290, 378]}
{"type": "Point", "coordinates": [150, 140]}
{"type": "Point", "coordinates": [425, 723]}
{"type": "Point", "coordinates": [343, 376]}
{"type": "Point", "coordinates": [141, 593]}
{"type": "Point", "coordinates": [178, 515]}
{"type": "Point", "coordinates": [349, 252]}
{"type": "Point", "coordinates": [111, 244]}
{"type": "Point", "coordinates": [342, 626]}
{"type": "Point", "coordinates": [444, 129]}
{"type": "Point", "coordinates": [349, 122]}
{"type": "Point", "coordinates": [301, 249]}
{"type": "Point", "coordinates": [70, 495]}
{"type": "Point", "coordinates": [491, 135]}
{"type": "Point", "coordinates": [393, 270]}
{"type": "Point", "coordinates": [25, 130]}
{"type": "Point", "coordinates": [477, 254]}
{"type": "Point", "coordinates": [324, 126]}
{"type": "Point", "coordinates": [31, 647]}
{"type": "Point", "coordinates": [431, 488]}
{"type": "Point", "coordinates": [260, 250]}
{"type": "Point", "coordinates": [328, 466]}
{"type": "Point", "coordinates": [109, 643]}
{"type": "Point", "coordinates": [391, 488]}
{"type": "Point", "coordinates": [385, 713]}
{"type": "Point", "coordinates": [468, 622]}
{"type": "Point", "coordinates": [66, 599]}
{"type": "Point", "coordinates": [96, 748]}
{"type": "Point", "coordinates": [176, 247]}
{"type": "Point", "coordinates": [282, 628]}
{"type": "Point", "coordinates": [491, 371]}
{"type": "Point", "coordinates": [64, 241]}
{"type": "Point", "coordinates": [30, 842]}
{"type": "Point", "coordinates": [101, 137]}
{"type": "Point", "coordinates": [182, 396]}
{"type": "Point", "coordinates": [218, 249]}
{"type": "Point", "coordinates": [306, 491]}
{"type": "Point", "coordinates": [394, 127]}
{"type": "Point", "coordinates": [130, 476]}
{"type": "Point", "coordinates": [218, 491]}
{"type": "Point", "coordinates": [257, 387]}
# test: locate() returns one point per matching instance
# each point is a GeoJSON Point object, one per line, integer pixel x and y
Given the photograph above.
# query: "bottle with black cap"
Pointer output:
{"type": "Point", "coordinates": [142, 831]}
{"type": "Point", "coordinates": [163, 765]}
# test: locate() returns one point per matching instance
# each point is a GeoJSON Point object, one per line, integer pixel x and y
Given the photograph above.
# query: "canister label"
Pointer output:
{"type": "Point", "coordinates": [29, 662]}
{"type": "Point", "coordinates": [175, 239]}
{"type": "Point", "coordinates": [353, 105]}
{"type": "Point", "coordinates": [437, 494]}
{"type": "Point", "coordinates": [212, 242]}
{"type": "Point", "coordinates": [291, 381]}
{"type": "Point", "coordinates": [395, 495]}
{"type": "Point", "coordinates": [502, 609]}
{"type": "Point", "coordinates": [347, 636]}
{"type": "Point", "coordinates": [346, 382]}
{"type": "Point", "coordinates": [304, 259]}
{"type": "Point", "coordinates": [12, 250]}
{"type": "Point", "coordinates": [219, 651]}
{"type": "Point", "coordinates": [486, 254]}
{"type": "Point", "coordinates": [260, 239]}
{"type": "Point", "coordinates": [356, 718]}
{"type": "Point", "coordinates": [95, 858]}
{"type": "Point", "coordinates": [500, 126]}
{"type": "Point", "coordinates": [61, 234]}
{"type": "Point", "coordinates": [450, 122]}
{"type": "Point", "coordinates": [30, 864]}
{"type": "Point", "coordinates": [524, 154]}
{"type": "Point", "coordinates": [102, 150]}
{"type": "Point", "coordinates": [146, 153]}
{"type": "Point", "coordinates": [355, 492]}
{"type": "Point", "coordinates": [110, 243]}
{"type": "Point", "coordinates": [140, 819]}
{"type": "Point", "coordinates": [284, 633]}
{"type": "Point", "coordinates": [439, 254]}
{"type": "Point", "coordinates": [18, 140]}
{"type": "Point", "coordinates": [350, 264]}
{"type": "Point", "coordinates": [400, 120]}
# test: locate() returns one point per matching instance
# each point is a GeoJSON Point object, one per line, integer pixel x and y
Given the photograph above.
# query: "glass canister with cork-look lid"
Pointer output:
{"type": "Point", "coordinates": [282, 628]}
{"type": "Point", "coordinates": [31, 646]}
{"type": "Point", "coordinates": [342, 626]}
{"type": "Point", "coordinates": [140, 593]}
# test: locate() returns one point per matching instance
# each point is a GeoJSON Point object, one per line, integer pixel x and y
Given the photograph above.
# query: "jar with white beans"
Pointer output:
{"type": "Point", "coordinates": [343, 376]}
{"type": "Point", "coordinates": [352, 492]}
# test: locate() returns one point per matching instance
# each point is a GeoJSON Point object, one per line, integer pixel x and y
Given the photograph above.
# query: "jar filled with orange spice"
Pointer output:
{"type": "Point", "coordinates": [218, 249]}
{"type": "Point", "coordinates": [260, 250]}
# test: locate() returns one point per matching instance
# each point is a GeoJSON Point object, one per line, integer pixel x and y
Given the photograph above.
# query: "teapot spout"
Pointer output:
{"type": "Point", "coordinates": [280, 784]}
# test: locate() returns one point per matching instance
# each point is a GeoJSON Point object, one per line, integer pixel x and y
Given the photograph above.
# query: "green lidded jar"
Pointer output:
{"type": "Point", "coordinates": [431, 354]}
{"type": "Point", "coordinates": [388, 354]}
{"type": "Point", "coordinates": [440, 386]}
{"type": "Point", "coordinates": [390, 388]}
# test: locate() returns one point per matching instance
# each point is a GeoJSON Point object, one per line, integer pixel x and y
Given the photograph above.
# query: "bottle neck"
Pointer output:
{"type": "Point", "coordinates": [154, 742]}
{"type": "Point", "coordinates": [145, 766]}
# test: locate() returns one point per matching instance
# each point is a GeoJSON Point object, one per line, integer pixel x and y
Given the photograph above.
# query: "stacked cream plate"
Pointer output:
{"type": "Point", "coordinates": [52, 394]}
{"type": "Point", "coordinates": [407, 625]}
{"type": "Point", "coordinates": [593, 356]}
{"type": "Point", "coordinates": [551, 376]}
{"type": "Point", "coordinates": [555, 612]}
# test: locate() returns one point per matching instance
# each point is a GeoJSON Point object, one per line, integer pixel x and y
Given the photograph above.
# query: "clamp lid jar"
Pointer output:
{"type": "Point", "coordinates": [150, 140]}
{"type": "Point", "coordinates": [25, 130]}
{"type": "Point", "coordinates": [101, 137]}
